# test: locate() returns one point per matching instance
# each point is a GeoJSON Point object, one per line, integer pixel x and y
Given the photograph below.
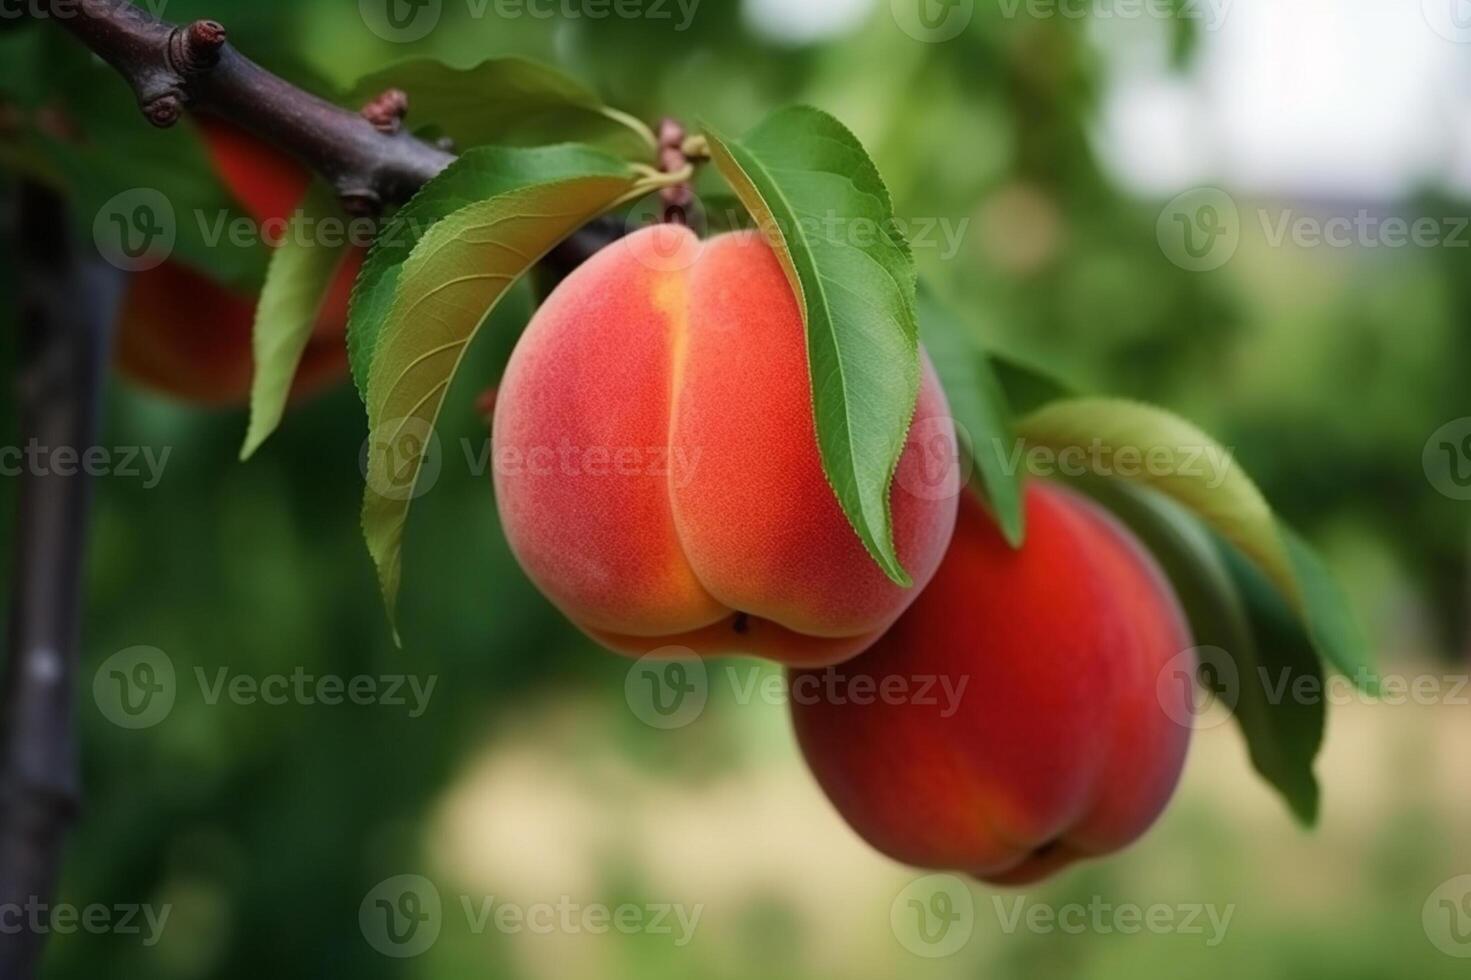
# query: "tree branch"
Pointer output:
{"type": "Point", "coordinates": [69, 299]}
{"type": "Point", "coordinates": [370, 161]}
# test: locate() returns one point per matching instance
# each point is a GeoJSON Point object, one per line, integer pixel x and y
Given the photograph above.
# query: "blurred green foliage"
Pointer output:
{"type": "Point", "coordinates": [264, 827]}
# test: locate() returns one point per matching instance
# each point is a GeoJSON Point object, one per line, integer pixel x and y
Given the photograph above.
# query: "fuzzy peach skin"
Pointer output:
{"type": "Point", "coordinates": [656, 463]}
{"type": "Point", "coordinates": [1034, 732]}
{"type": "Point", "coordinates": [186, 336]}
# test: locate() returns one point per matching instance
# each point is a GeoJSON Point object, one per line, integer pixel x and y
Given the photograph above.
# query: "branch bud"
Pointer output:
{"type": "Point", "coordinates": [195, 49]}
{"type": "Point", "coordinates": [165, 110]}
{"type": "Point", "coordinates": [387, 111]}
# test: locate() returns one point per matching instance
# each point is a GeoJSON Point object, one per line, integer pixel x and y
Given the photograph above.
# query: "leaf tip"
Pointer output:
{"type": "Point", "coordinates": [896, 572]}
{"type": "Point", "coordinates": [252, 442]}
{"type": "Point", "coordinates": [1305, 807]}
{"type": "Point", "coordinates": [1014, 528]}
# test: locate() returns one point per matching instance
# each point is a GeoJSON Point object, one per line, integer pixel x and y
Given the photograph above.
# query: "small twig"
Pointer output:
{"type": "Point", "coordinates": [368, 158]}
{"type": "Point", "coordinates": [69, 299]}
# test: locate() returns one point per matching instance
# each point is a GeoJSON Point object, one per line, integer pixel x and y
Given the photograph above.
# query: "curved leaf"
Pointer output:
{"type": "Point", "coordinates": [1253, 652]}
{"type": "Point", "coordinates": [455, 275]}
{"type": "Point", "coordinates": [979, 407]}
{"type": "Point", "coordinates": [826, 212]}
{"type": "Point", "coordinates": [1287, 656]}
{"type": "Point", "coordinates": [1027, 387]}
{"type": "Point", "coordinates": [1147, 445]}
{"type": "Point", "coordinates": [478, 174]}
{"type": "Point", "coordinates": [509, 101]}
{"type": "Point", "coordinates": [297, 280]}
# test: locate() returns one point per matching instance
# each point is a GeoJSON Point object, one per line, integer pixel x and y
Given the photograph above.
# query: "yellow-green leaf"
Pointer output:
{"type": "Point", "coordinates": [297, 280]}
{"type": "Point", "coordinates": [1152, 447]}
{"type": "Point", "coordinates": [508, 101]}
{"type": "Point", "coordinates": [455, 275]}
{"type": "Point", "coordinates": [480, 173]}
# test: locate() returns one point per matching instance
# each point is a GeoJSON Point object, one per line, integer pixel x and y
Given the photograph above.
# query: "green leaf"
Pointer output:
{"type": "Point", "coordinates": [1252, 651]}
{"type": "Point", "coordinates": [478, 174]}
{"type": "Point", "coordinates": [1330, 633]}
{"type": "Point", "coordinates": [725, 212]}
{"type": "Point", "coordinates": [455, 275]}
{"type": "Point", "coordinates": [1287, 657]}
{"type": "Point", "coordinates": [826, 212]}
{"type": "Point", "coordinates": [1147, 445]}
{"type": "Point", "coordinates": [1027, 386]}
{"type": "Point", "coordinates": [979, 408]}
{"type": "Point", "coordinates": [509, 101]}
{"type": "Point", "coordinates": [297, 280]}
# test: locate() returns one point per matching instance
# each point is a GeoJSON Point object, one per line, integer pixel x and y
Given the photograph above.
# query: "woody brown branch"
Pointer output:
{"type": "Point", "coordinates": [367, 157]}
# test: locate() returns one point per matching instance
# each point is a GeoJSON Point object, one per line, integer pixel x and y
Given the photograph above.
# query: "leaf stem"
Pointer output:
{"type": "Point", "coordinates": [634, 123]}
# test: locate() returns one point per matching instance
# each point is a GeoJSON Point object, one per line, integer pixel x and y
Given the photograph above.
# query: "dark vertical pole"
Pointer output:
{"type": "Point", "coordinates": [68, 297]}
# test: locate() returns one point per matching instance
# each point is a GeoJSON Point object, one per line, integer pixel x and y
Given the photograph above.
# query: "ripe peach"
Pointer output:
{"type": "Point", "coordinates": [1052, 740]}
{"type": "Point", "coordinates": [185, 335]}
{"type": "Point", "coordinates": [656, 462]}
